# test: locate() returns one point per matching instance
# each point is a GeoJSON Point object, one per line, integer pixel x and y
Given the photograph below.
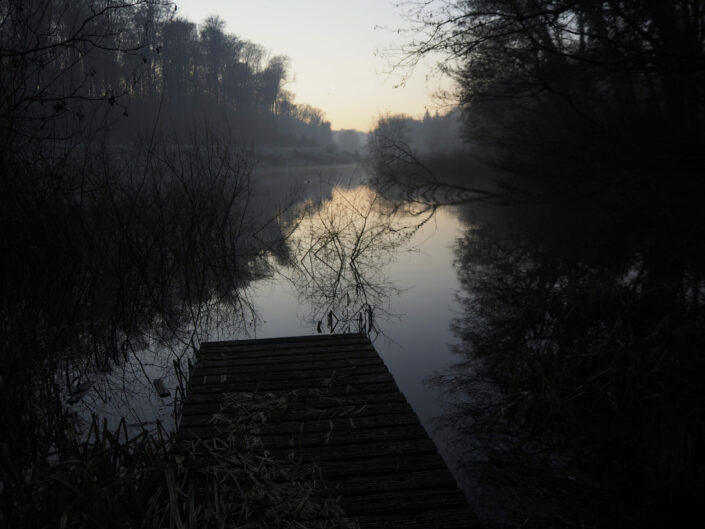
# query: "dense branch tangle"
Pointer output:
{"type": "Point", "coordinates": [596, 55]}
{"type": "Point", "coordinates": [58, 59]}
{"type": "Point", "coordinates": [341, 250]}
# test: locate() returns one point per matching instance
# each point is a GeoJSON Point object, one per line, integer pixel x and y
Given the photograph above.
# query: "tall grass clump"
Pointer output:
{"type": "Point", "coordinates": [112, 246]}
{"type": "Point", "coordinates": [106, 249]}
{"type": "Point", "coordinates": [228, 478]}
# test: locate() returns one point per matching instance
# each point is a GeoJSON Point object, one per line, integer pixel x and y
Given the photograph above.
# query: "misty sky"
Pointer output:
{"type": "Point", "coordinates": [334, 50]}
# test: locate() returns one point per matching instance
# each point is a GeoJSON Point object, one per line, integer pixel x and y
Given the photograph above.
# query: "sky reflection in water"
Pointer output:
{"type": "Point", "coordinates": [345, 235]}
{"type": "Point", "coordinates": [415, 272]}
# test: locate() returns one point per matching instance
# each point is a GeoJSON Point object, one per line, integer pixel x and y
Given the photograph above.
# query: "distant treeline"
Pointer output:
{"type": "Point", "coordinates": [126, 222]}
{"type": "Point", "coordinates": [351, 140]}
{"type": "Point", "coordinates": [576, 98]}
{"type": "Point", "coordinates": [431, 134]}
{"type": "Point", "coordinates": [429, 158]}
{"type": "Point", "coordinates": [59, 59]}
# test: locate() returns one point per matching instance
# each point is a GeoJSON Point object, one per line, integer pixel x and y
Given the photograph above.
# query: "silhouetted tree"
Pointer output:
{"type": "Point", "coordinates": [220, 75]}
{"type": "Point", "coordinates": [179, 64]}
{"type": "Point", "coordinates": [213, 42]}
{"type": "Point", "coordinates": [568, 91]}
{"type": "Point", "coordinates": [273, 78]}
{"type": "Point", "coordinates": [339, 251]}
{"type": "Point", "coordinates": [57, 58]}
{"type": "Point", "coordinates": [105, 243]}
{"type": "Point", "coordinates": [407, 162]}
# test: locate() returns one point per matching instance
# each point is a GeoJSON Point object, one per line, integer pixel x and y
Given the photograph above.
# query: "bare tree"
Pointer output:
{"type": "Point", "coordinates": [401, 171]}
{"type": "Point", "coordinates": [557, 85]}
{"type": "Point", "coordinates": [56, 57]}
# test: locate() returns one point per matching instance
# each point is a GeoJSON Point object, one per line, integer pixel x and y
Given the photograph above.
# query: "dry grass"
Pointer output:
{"type": "Point", "coordinates": [232, 481]}
{"type": "Point", "coordinates": [157, 481]}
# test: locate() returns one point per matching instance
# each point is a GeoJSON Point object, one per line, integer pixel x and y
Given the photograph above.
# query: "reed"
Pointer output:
{"type": "Point", "coordinates": [107, 249]}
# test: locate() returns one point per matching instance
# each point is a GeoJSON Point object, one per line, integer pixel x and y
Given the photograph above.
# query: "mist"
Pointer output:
{"type": "Point", "coordinates": [155, 172]}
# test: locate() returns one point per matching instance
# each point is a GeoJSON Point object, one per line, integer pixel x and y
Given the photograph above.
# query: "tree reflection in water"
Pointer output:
{"type": "Point", "coordinates": [582, 369]}
{"type": "Point", "coordinates": [339, 253]}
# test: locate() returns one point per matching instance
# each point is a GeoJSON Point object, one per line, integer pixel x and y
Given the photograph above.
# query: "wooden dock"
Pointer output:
{"type": "Point", "coordinates": [350, 417]}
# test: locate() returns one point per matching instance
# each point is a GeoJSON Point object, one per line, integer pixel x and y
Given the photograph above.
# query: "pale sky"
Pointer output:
{"type": "Point", "coordinates": [334, 47]}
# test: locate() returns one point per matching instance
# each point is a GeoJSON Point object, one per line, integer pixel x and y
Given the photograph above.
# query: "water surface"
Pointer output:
{"type": "Point", "coordinates": [404, 274]}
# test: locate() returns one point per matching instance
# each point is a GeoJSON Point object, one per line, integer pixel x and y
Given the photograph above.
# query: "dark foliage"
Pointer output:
{"type": "Point", "coordinates": [573, 96]}
{"type": "Point", "coordinates": [109, 240]}
{"type": "Point", "coordinates": [582, 332]}
{"type": "Point", "coordinates": [581, 368]}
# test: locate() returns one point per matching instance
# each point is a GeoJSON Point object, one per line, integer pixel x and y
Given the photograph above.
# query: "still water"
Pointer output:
{"type": "Point", "coordinates": [414, 332]}
{"type": "Point", "coordinates": [576, 336]}
{"type": "Point", "coordinates": [346, 260]}
{"type": "Point", "coordinates": [353, 254]}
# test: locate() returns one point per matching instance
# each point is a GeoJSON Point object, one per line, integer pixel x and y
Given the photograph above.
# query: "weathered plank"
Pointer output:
{"type": "Point", "coordinates": [331, 437]}
{"type": "Point", "coordinates": [296, 421]}
{"type": "Point", "coordinates": [457, 518]}
{"type": "Point", "coordinates": [404, 501]}
{"type": "Point", "coordinates": [334, 393]}
{"type": "Point", "coordinates": [286, 355]}
{"type": "Point", "coordinates": [277, 348]}
{"type": "Point", "coordinates": [334, 402]}
{"type": "Point", "coordinates": [325, 340]}
{"type": "Point", "coordinates": [376, 465]}
{"type": "Point", "coordinates": [385, 483]}
{"type": "Point", "coordinates": [255, 364]}
{"type": "Point", "coordinates": [327, 453]}
{"type": "Point", "coordinates": [310, 409]}
{"type": "Point", "coordinates": [217, 384]}
{"type": "Point", "coordinates": [210, 375]}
